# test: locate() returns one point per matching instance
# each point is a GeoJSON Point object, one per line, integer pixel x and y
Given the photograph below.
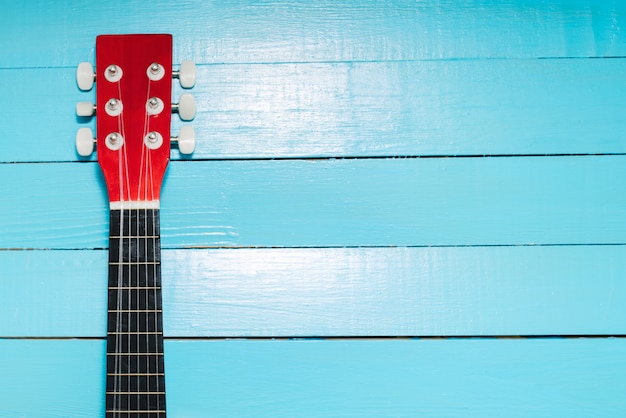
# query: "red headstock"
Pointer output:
{"type": "Point", "coordinates": [134, 106]}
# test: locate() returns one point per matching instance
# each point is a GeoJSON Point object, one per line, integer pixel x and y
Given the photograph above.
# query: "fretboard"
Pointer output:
{"type": "Point", "coordinates": [135, 383]}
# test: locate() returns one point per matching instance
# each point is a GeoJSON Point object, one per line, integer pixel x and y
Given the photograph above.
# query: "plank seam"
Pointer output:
{"type": "Point", "coordinates": [333, 247]}
{"type": "Point", "coordinates": [346, 157]}
{"type": "Point", "coordinates": [348, 337]}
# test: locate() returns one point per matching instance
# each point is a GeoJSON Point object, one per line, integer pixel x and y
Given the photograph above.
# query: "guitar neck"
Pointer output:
{"type": "Point", "coordinates": [135, 383]}
{"type": "Point", "coordinates": [134, 108]}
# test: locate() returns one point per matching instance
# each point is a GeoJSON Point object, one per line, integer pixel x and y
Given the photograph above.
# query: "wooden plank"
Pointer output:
{"type": "Point", "coordinates": [400, 378]}
{"type": "Point", "coordinates": [53, 293]}
{"type": "Point", "coordinates": [411, 108]}
{"type": "Point", "coordinates": [357, 109]}
{"type": "Point", "coordinates": [62, 33]}
{"type": "Point", "coordinates": [337, 203]}
{"type": "Point", "coordinates": [52, 378]}
{"type": "Point", "coordinates": [333, 292]}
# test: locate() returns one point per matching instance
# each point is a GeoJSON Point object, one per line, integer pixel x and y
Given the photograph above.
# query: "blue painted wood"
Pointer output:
{"type": "Point", "coordinates": [51, 378]}
{"type": "Point", "coordinates": [357, 109]}
{"type": "Point", "coordinates": [333, 292]}
{"type": "Point", "coordinates": [62, 33]}
{"type": "Point", "coordinates": [336, 79]}
{"type": "Point", "coordinates": [385, 202]}
{"type": "Point", "coordinates": [53, 293]}
{"type": "Point", "coordinates": [401, 378]}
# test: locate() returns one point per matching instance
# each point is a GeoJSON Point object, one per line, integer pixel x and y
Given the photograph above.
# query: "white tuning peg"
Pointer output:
{"type": "Point", "coordinates": [186, 74]}
{"type": "Point", "coordinates": [186, 107]}
{"type": "Point", "coordinates": [84, 142]}
{"type": "Point", "coordinates": [186, 140]}
{"type": "Point", "coordinates": [85, 76]}
{"type": "Point", "coordinates": [85, 108]}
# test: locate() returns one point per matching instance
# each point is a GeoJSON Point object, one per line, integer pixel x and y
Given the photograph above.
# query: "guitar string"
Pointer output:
{"type": "Point", "coordinates": [156, 280]}
{"type": "Point", "coordinates": [126, 181]}
{"type": "Point", "coordinates": [153, 283]}
{"type": "Point", "coordinates": [120, 274]}
{"type": "Point", "coordinates": [139, 224]}
{"type": "Point", "coordinates": [143, 171]}
{"type": "Point", "coordinates": [157, 359]}
{"type": "Point", "coordinates": [145, 153]}
{"type": "Point", "coordinates": [154, 347]}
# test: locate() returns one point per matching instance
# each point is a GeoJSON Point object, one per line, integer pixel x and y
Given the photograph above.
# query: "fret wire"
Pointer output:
{"type": "Point", "coordinates": [135, 393]}
{"type": "Point", "coordinates": [134, 354]}
{"type": "Point", "coordinates": [134, 287]}
{"type": "Point", "coordinates": [124, 411]}
{"type": "Point", "coordinates": [134, 236]}
{"type": "Point", "coordinates": [135, 310]}
{"type": "Point", "coordinates": [136, 374]}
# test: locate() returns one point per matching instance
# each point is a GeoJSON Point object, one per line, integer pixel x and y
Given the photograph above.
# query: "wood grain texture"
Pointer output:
{"type": "Point", "coordinates": [401, 378]}
{"type": "Point", "coordinates": [62, 33]}
{"type": "Point", "coordinates": [333, 292]}
{"type": "Point", "coordinates": [384, 202]}
{"type": "Point", "coordinates": [474, 107]}
{"type": "Point", "coordinates": [336, 247]}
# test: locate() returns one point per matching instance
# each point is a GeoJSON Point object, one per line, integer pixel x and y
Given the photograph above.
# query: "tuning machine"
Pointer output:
{"type": "Point", "coordinates": [85, 109]}
{"type": "Point", "coordinates": [85, 76]}
{"type": "Point", "coordinates": [186, 140]}
{"type": "Point", "coordinates": [186, 74]}
{"type": "Point", "coordinates": [85, 142]}
{"type": "Point", "coordinates": [186, 107]}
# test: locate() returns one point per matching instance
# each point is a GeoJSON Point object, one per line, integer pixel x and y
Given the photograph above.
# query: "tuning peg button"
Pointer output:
{"type": "Point", "coordinates": [186, 140]}
{"type": "Point", "coordinates": [85, 109]}
{"type": "Point", "coordinates": [85, 76]}
{"type": "Point", "coordinates": [84, 142]}
{"type": "Point", "coordinates": [186, 74]}
{"type": "Point", "coordinates": [186, 107]}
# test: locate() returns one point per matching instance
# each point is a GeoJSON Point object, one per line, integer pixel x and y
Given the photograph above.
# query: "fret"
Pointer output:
{"type": "Point", "coordinates": [135, 354]}
{"type": "Point", "coordinates": [134, 287]}
{"type": "Point", "coordinates": [135, 363]}
{"type": "Point", "coordinates": [135, 222]}
{"type": "Point", "coordinates": [135, 393]}
{"type": "Point", "coordinates": [135, 310]}
{"type": "Point", "coordinates": [137, 382]}
{"type": "Point", "coordinates": [134, 300]}
{"type": "Point", "coordinates": [134, 236]}
{"type": "Point", "coordinates": [146, 403]}
{"type": "Point", "coordinates": [126, 391]}
{"type": "Point", "coordinates": [134, 322]}
{"type": "Point", "coordinates": [134, 250]}
{"type": "Point", "coordinates": [136, 343]}
{"type": "Point", "coordinates": [135, 374]}
{"type": "Point", "coordinates": [135, 275]}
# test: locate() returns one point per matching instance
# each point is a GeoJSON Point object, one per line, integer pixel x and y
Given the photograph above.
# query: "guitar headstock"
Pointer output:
{"type": "Point", "coordinates": [134, 107]}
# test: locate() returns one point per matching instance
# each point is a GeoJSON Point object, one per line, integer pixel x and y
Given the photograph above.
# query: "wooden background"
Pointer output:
{"type": "Point", "coordinates": [385, 195]}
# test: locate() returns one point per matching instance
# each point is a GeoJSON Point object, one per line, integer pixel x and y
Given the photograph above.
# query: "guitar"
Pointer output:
{"type": "Point", "coordinates": [133, 106]}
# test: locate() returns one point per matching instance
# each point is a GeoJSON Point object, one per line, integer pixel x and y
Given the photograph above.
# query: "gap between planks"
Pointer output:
{"type": "Point", "coordinates": [347, 157]}
{"type": "Point", "coordinates": [346, 338]}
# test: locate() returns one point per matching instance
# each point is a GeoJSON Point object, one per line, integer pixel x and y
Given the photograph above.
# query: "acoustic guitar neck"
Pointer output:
{"type": "Point", "coordinates": [133, 106]}
{"type": "Point", "coordinates": [135, 369]}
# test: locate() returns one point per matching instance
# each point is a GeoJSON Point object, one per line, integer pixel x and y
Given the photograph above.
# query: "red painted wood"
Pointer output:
{"type": "Point", "coordinates": [134, 172]}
